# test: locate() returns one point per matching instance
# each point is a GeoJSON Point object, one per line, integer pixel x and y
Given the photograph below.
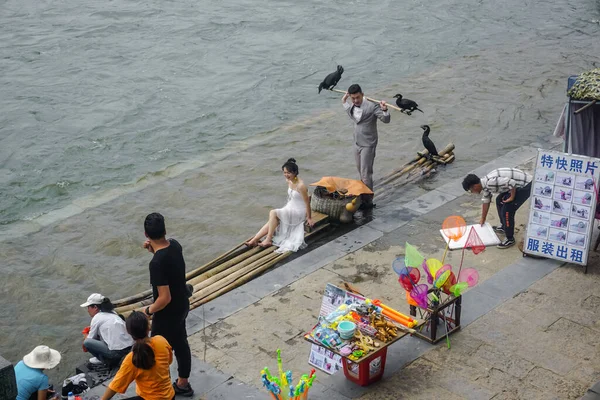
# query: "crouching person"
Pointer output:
{"type": "Point", "coordinates": [107, 339]}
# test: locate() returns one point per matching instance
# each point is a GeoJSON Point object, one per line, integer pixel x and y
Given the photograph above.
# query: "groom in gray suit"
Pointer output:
{"type": "Point", "coordinates": [364, 114]}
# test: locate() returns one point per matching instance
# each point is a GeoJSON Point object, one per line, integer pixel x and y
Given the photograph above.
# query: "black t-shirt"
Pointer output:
{"type": "Point", "coordinates": [168, 268]}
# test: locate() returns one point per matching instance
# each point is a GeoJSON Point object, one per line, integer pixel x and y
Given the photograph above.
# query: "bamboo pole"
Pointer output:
{"type": "Point", "coordinates": [411, 176]}
{"type": "Point", "coordinates": [211, 264]}
{"type": "Point", "coordinates": [228, 271]}
{"type": "Point", "coordinates": [199, 295]}
{"type": "Point", "coordinates": [133, 298]}
{"type": "Point", "coordinates": [394, 172]}
{"type": "Point", "coordinates": [448, 149]}
{"type": "Point", "coordinates": [240, 281]}
{"type": "Point", "coordinates": [270, 262]}
{"type": "Point", "coordinates": [316, 231]}
{"type": "Point", "coordinates": [226, 284]}
{"type": "Point", "coordinates": [427, 166]}
{"type": "Point", "coordinates": [448, 158]}
{"type": "Point", "coordinates": [217, 271]}
{"type": "Point", "coordinates": [126, 310]}
{"type": "Point", "coordinates": [147, 293]}
{"type": "Point", "coordinates": [133, 306]}
{"type": "Point", "coordinates": [372, 100]}
{"type": "Point", "coordinates": [219, 284]}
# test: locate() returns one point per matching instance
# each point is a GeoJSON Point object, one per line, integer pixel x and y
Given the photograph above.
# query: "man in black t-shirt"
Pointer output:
{"type": "Point", "coordinates": [171, 304]}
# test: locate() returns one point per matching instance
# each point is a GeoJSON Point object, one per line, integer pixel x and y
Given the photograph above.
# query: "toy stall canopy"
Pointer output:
{"type": "Point", "coordinates": [579, 125]}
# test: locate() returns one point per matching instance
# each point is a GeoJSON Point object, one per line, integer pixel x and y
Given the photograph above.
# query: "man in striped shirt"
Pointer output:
{"type": "Point", "coordinates": [513, 187]}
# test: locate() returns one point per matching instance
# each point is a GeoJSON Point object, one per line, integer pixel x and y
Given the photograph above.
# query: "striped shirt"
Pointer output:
{"type": "Point", "coordinates": [502, 180]}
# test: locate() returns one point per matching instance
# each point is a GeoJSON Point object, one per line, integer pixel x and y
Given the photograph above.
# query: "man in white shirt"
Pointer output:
{"type": "Point", "coordinates": [107, 339]}
{"type": "Point", "coordinates": [513, 187]}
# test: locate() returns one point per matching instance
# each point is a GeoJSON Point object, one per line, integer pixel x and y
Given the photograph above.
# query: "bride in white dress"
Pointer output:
{"type": "Point", "coordinates": [285, 228]}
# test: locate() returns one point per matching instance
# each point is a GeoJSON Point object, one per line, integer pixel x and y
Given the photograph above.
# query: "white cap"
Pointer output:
{"type": "Point", "coordinates": [42, 357]}
{"type": "Point", "coordinates": [95, 298]}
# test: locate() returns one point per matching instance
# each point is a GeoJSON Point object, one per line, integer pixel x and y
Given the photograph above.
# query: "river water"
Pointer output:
{"type": "Point", "coordinates": [112, 110]}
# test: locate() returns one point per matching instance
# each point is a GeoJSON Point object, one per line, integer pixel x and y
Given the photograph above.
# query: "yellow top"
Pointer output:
{"type": "Point", "coordinates": [153, 383]}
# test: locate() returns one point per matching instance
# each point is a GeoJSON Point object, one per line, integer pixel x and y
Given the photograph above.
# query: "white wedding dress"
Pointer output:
{"type": "Point", "coordinates": [289, 235]}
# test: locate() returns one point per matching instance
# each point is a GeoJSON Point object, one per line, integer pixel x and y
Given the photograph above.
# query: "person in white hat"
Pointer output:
{"type": "Point", "coordinates": [32, 383]}
{"type": "Point", "coordinates": [107, 339]}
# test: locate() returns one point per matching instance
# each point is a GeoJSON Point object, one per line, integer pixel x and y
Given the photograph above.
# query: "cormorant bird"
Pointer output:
{"type": "Point", "coordinates": [427, 142]}
{"type": "Point", "coordinates": [407, 105]}
{"type": "Point", "coordinates": [332, 79]}
{"type": "Point", "coordinates": [432, 154]}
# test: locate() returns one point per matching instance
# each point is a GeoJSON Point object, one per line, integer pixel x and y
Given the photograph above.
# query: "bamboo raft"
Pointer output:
{"type": "Point", "coordinates": [241, 264]}
{"type": "Point", "coordinates": [417, 168]}
{"type": "Point", "coordinates": [226, 272]}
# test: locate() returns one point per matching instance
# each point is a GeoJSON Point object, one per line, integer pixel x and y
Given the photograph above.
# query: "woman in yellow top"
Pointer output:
{"type": "Point", "coordinates": [147, 364]}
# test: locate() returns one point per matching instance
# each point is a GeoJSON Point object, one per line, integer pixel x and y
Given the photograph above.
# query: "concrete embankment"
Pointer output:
{"type": "Point", "coordinates": [530, 328]}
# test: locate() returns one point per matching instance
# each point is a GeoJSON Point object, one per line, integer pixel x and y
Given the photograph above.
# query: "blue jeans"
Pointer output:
{"type": "Point", "coordinates": [100, 350]}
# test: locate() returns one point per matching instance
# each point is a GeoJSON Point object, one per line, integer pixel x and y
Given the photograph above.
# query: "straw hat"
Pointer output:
{"type": "Point", "coordinates": [42, 357]}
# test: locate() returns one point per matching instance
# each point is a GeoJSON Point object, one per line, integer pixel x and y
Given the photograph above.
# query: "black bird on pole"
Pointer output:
{"type": "Point", "coordinates": [332, 79]}
{"type": "Point", "coordinates": [407, 105]}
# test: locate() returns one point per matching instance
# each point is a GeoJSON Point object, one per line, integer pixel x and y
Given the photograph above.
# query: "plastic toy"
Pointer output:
{"type": "Point", "coordinates": [470, 276]}
{"type": "Point", "coordinates": [395, 315]}
{"type": "Point", "coordinates": [441, 279]}
{"type": "Point", "coordinates": [412, 257]}
{"type": "Point", "coordinates": [346, 329]}
{"type": "Point", "coordinates": [454, 227]}
{"type": "Point", "coordinates": [282, 376]}
{"type": "Point", "coordinates": [459, 288]}
{"type": "Point", "coordinates": [398, 265]}
{"type": "Point", "coordinates": [433, 266]}
{"type": "Point", "coordinates": [409, 277]}
{"type": "Point", "coordinates": [289, 391]}
{"type": "Point", "coordinates": [451, 281]}
{"type": "Point", "coordinates": [419, 295]}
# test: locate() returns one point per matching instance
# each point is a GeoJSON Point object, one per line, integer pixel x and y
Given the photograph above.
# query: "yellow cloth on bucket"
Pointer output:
{"type": "Point", "coordinates": [336, 184]}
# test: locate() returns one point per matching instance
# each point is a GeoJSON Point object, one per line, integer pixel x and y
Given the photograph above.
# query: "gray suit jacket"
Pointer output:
{"type": "Point", "coordinates": [365, 130]}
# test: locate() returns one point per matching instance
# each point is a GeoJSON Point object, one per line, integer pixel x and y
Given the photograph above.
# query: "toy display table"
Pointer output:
{"type": "Point", "coordinates": [382, 330]}
{"type": "Point", "coordinates": [370, 367]}
{"type": "Point", "coordinates": [367, 369]}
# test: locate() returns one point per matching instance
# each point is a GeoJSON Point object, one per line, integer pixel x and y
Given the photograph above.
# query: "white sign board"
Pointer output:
{"type": "Point", "coordinates": [334, 297]}
{"type": "Point", "coordinates": [485, 232]}
{"type": "Point", "coordinates": [563, 206]}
